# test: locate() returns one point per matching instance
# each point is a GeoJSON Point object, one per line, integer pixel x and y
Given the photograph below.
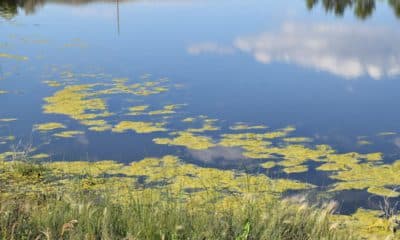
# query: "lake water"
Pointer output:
{"type": "Point", "coordinates": [313, 73]}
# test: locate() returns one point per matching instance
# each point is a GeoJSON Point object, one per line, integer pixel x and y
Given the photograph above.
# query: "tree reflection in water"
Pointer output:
{"type": "Point", "coordinates": [362, 8]}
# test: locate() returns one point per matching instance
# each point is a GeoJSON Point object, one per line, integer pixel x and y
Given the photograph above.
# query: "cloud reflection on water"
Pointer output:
{"type": "Point", "coordinates": [218, 154]}
{"type": "Point", "coordinates": [348, 51]}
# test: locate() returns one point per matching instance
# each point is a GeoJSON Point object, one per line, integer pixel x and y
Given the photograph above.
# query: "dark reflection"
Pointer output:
{"type": "Point", "coordinates": [362, 8]}
{"type": "Point", "coordinates": [11, 8]}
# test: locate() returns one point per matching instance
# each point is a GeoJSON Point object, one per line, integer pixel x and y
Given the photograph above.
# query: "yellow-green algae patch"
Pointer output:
{"type": "Point", "coordinates": [188, 140]}
{"type": "Point", "coordinates": [167, 109]}
{"type": "Point", "coordinates": [76, 102]}
{"type": "Point", "coordinates": [268, 165]}
{"type": "Point", "coordinates": [3, 92]}
{"type": "Point", "coordinates": [190, 183]}
{"type": "Point", "coordinates": [97, 125]}
{"type": "Point", "coordinates": [207, 126]}
{"type": "Point", "coordinates": [101, 128]}
{"type": "Point", "coordinates": [139, 127]}
{"type": "Point", "coordinates": [296, 169]}
{"type": "Point", "coordinates": [364, 142]}
{"type": "Point", "coordinates": [254, 145]}
{"type": "Point", "coordinates": [69, 134]}
{"type": "Point", "coordinates": [137, 110]}
{"type": "Point", "coordinates": [52, 83]}
{"type": "Point", "coordinates": [121, 85]}
{"type": "Point", "coordinates": [44, 127]}
{"type": "Point", "coordinates": [15, 57]}
{"type": "Point", "coordinates": [243, 126]}
{"type": "Point", "coordinates": [189, 119]}
{"type": "Point", "coordinates": [297, 139]}
{"type": "Point", "coordinates": [6, 139]}
{"type": "Point", "coordinates": [369, 224]}
{"type": "Point", "coordinates": [377, 179]}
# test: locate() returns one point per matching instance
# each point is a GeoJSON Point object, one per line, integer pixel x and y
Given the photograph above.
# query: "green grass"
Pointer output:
{"type": "Point", "coordinates": [96, 217]}
{"type": "Point", "coordinates": [90, 214]}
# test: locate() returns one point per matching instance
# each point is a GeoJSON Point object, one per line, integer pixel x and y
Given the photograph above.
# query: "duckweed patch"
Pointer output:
{"type": "Point", "coordinates": [44, 127]}
{"type": "Point", "coordinates": [76, 102]}
{"type": "Point", "coordinates": [243, 126]}
{"type": "Point", "coordinates": [379, 179]}
{"type": "Point", "coordinates": [167, 109]}
{"type": "Point", "coordinates": [189, 119]}
{"type": "Point", "coordinates": [297, 140]}
{"type": "Point", "coordinates": [188, 140]}
{"type": "Point", "coordinates": [14, 57]}
{"type": "Point", "coordinates": [69, 134]}
{"type": "Point", "coordinates": [296, 169]}
{"type": "Point", "coordinates": [51, 83]}
{"type": "Point", "coordinates": [137, 110]}
{"type": "Point", "coordinates": [139, 127]}
{"type": "Point", "coordinates": [207, 126]}
{"type": "Point", "coordinates": [364, 142]}
{"type": "Point", "coordinates": [87, 103]}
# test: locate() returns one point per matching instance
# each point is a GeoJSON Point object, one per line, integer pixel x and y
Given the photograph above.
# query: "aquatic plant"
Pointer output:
{"type": "Point", "coordinates": [243, 126]}
{"type": "Point", "coordinates": [188, 140]}
{"type": "Point", "coordinates": [14, 57]}
{"type": "Point", "coordinates": [51, 83]}
{"type": "Point", "coordinates": [167, 109]}
{"type": "Point", "coordinates": [68, 134]}
{"type": "Point", "coordinates": [139, 127]}
{"type": "Point", "coordinates": [44, 127]}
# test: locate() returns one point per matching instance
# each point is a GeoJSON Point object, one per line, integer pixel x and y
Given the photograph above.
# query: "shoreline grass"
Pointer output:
{"type": "Point", "coordinates": [84, 213]}
{"type": "Point", "coordinates": [93, 216]}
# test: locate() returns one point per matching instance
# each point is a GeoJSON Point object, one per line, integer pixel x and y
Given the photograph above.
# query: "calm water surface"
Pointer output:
{"type": "Point", "coordinates": [332, 74]}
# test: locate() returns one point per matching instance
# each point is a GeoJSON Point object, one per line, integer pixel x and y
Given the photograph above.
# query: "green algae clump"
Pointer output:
{"type": "Point", "coordinates": [51, 83]}
{"type": "Point", "coordinates": [167, 109]}
{"type": "Point", "coordinates": [188, 140]}
{"type": "Point", "coordinates": [139, 127]}
{"type": "Point", "coordinates": [15, 57]}
{"type": "Point", "coordinates": [297, 140]}
{"type": "Point", "coordinates": [69, 134]}
{"type": "Point", "coordinates": [44, 127]}
{"type": "Point", "coordinates": [137, 110]}
{"type": "Point", "coordinates": [76, 102]}
{"type": "Point", "coordinates": [243, 126]}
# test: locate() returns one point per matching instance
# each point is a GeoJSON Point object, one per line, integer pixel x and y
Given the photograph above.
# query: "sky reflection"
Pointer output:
{"type": "Point", "coordinates": [348, 51]}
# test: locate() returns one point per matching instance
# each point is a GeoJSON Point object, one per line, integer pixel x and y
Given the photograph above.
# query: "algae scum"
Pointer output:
{"type": "Point", "coordinates": [260, 117]}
